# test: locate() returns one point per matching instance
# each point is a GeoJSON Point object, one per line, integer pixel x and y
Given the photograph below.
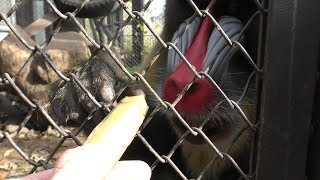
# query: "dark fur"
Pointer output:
{"type": "Point", "coordinates": [70, 105]}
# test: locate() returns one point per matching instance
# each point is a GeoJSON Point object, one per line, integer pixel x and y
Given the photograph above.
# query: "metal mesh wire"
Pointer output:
{"type": "Point", "coordinates": [7, 80]}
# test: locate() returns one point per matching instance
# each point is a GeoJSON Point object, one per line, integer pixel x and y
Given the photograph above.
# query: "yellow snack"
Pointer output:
{"type": "Point", "coordinates": [98, 157]}
{"type": "Point", "coordinates": [115, 132]}
{"type": "Point", "coordinates": [122, 123]}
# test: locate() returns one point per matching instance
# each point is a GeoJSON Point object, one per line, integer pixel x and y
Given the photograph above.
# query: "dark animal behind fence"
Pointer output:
{"type": "Point", "coordinates": [70, 105]}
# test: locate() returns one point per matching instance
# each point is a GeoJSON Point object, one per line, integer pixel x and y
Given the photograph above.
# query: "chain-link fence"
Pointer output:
{"type": "Point", "coordinates": [234, 104]}
{"type": "Point", "coordinates": [238, 107]}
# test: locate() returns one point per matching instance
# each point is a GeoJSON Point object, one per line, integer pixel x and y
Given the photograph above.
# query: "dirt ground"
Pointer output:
{"type": "Point", "coordinates": [36, 145]}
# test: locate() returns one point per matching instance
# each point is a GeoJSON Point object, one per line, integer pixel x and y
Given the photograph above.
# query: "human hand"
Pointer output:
{"type": "Point", "coordinates": [87, 162]}
{"type": "Point", "coordinates": [98, 157]}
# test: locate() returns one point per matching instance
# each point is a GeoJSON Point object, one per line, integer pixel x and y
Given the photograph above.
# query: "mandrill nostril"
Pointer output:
{"type": "Point", "coordinates": [173, 86]}
{"type": "Point", "coordinates": [194, 88]}
{"type": "Point", "coordinates": [195, 99]}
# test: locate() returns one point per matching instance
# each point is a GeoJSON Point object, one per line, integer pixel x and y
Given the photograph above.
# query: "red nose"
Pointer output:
{"type": "Point", "coordinates": [195, 99]}
{"type": "Point", "coordinates": [200, 93]}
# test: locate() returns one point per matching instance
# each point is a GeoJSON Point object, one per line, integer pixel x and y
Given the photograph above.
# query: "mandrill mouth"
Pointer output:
{"type": "Point", "coordinates": [212, 129]}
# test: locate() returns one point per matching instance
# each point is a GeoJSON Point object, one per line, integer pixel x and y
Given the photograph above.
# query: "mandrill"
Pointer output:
{"type": "Point", "coordinates": [203, 105]}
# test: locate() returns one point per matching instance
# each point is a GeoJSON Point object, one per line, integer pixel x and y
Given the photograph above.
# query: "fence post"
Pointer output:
{"type": "Point", "coordinates": [292, 52]}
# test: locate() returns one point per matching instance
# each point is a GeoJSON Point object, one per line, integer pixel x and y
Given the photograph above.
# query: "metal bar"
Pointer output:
{"type": "Point", "coordinates": [292, 51]}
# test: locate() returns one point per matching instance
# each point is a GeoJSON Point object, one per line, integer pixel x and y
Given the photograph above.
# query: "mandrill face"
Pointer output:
{"type": "Point", "coordinates": [209, 102]}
